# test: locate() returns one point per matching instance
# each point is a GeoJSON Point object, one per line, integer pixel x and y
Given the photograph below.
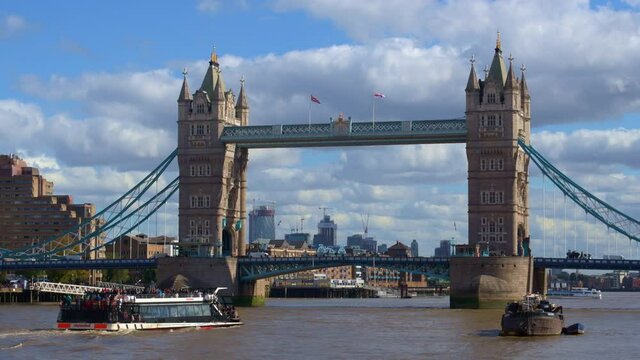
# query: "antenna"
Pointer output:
{"type": "Point", "coordinates": [302, 224]}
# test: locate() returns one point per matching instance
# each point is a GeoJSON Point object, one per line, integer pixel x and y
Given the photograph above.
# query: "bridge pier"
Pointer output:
{"type": "Point", "coordinates": [540, 280]}
{"type": "Point", "coordinates": [212, 273]}
{"type": "Point", "coordinates": [488, 282]}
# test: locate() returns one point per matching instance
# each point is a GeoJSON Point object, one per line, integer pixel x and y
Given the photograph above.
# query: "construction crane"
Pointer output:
{"type": "Point", "coordinates": [365, 225]}
{"type": "Point", "coordinates": [324, 210]}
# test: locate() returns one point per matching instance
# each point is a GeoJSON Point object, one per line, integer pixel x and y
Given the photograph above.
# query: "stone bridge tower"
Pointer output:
{"type": "Point", "coordinates": [498, 112]}
{"type": "Point", "coordinates": [213, 178]}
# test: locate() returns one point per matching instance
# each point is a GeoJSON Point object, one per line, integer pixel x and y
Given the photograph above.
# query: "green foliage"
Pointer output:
{"type": "Point", "coordinates": [68, 276]}
{"type": "Point", "coordinates": [120, 276]}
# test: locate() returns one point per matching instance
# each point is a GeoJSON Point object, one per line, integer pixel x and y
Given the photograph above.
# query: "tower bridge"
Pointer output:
{"type": "Point", "coordinates": [214, 139]}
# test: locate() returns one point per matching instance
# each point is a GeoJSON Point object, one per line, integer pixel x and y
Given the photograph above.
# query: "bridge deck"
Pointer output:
{"type": "Point", "coordinates": [348, 134]}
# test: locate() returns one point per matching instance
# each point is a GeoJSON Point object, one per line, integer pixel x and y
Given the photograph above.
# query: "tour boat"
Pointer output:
{"type": "Point", "coordinates": [576, 292]}
{"type": "Point", "coordinates": [113, 312]}
{"type": "Point", "coordinates": [531, 317]}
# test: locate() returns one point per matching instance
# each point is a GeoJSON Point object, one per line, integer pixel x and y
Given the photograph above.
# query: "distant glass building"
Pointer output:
{"type": "Point", "coordinates": [444, 250]}
{"type": "Point", "coordinates": [360, 241]}
{"type": "Point", "coordinates": [414, 248]}
{"type": "Point", "coordinates": [382, 248]}
{"type": "Point", "coordinates": [327, 232]}
{"type": "Point", "coordinates": [262, 224]}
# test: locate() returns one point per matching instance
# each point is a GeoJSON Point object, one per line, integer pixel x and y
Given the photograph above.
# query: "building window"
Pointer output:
{"type": "Point", "coordinates": [491, 197]}
{"type": "Point", "coordinates": [200, 129]}
{"type": "Point", "coordinates": [193, 170]}
{"type": "Point", "coordinates": [200, 170]}
{"type": "Point", "coordinates": [491, 98]}
{"type": "Point", "coordinates": [500, 164]}
{"type": "Point", "coordinates": [200, 108]}
{"type": "Point", "coordinates": [483, 164]}
{"type": "Point", "coordinates": [193, 129]}
{"type": "Point", "coordinates": [483, 220]}
{"type": "Point", "coordinates": [208, 170]}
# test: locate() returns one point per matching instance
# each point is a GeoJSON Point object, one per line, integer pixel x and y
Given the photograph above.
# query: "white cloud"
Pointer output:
{"type": "Point", "coordinates": [12, 24]}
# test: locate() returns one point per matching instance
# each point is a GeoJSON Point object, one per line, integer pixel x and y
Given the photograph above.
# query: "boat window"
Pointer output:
{"type": "Point", "coordinates": [174, 310]}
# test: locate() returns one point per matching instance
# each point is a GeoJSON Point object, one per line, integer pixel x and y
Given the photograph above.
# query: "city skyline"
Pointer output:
{"type": "Point", "coordinates": [115, 90]}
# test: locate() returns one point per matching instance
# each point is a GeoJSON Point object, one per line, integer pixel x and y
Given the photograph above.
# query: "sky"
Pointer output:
{"type": "Point", "coordinates": [88, 94]}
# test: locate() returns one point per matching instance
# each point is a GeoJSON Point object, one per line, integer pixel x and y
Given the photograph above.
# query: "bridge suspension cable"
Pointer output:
{"type": "Point", "coordinates": [599, 209]}
{"type": "Point", "coordinates": [73, 241]}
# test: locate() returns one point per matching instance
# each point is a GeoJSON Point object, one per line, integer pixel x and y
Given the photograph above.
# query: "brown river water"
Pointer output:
{"type": "Point", "coordinates": [418, 328]}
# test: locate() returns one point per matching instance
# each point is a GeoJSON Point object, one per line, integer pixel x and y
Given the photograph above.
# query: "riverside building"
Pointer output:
{"type": "Point", "coordinates": [30, 212]}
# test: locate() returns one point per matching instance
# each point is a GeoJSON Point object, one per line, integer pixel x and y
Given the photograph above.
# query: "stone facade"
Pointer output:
{"type": "Point", "coordinates": [498, 112]}
{"type": "Point", "coordinates": [213, 180]}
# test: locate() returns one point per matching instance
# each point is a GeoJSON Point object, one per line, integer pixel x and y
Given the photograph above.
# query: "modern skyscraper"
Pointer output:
{"type": "Point", "coordinates": [327, 232]}
{"type": "Point", "coordinates": [261, 223]}
{"type": "Point", "coordinates": [30, 212]}
{"type": "Point", "coordinates": [414, 248]}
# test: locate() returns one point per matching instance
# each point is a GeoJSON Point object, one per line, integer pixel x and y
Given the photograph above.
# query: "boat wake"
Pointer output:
{"type": "Point", "coordinates": [16, 346]}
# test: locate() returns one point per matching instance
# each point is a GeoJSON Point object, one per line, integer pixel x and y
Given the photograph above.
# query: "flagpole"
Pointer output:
{"type": "Point", "coordinates": [309, 115]}
{"type": "Point", "coordinates": [373, 112]}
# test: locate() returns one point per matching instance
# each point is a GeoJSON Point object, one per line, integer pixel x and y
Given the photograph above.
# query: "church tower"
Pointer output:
{"type": "Point", "coordinates": [497, 114]}
{"type": "Point", "coordinates": [212, 210]}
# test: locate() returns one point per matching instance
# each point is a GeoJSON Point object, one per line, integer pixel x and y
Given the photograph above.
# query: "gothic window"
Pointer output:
{"type": "Point", "coordinates": [483, 196]}
{"type": "Point", "coordinates": [200, 202]}
{"type": "Point", "coordinates": [193, 170]}
{"type": "Point", "coordinates": [200, 129]}
{"type": "Point", "coordinates": [194, 201]}
{"type": "Point", "coordinates": [208, 170]}
{"type": "Point", "coordinates": [483, 220]}
{"type": "Point", "coordinates": [491, 98]}
{"type": "Point", "coordinates": [207, 201]}
{"type": "Point", "coordinates": [500, 197]}
{"type": "Point", "coordinates": [492, 197]}
{"type": "Point", "coordinates": [500, 238]}
{"type": "Point", "coordinates": [200, 170]}
{"type": "Point", "coordinates": [492, 164]}
{"type": "Point", "coordinates": [200, 108]}
{"type": "Point", "coordinates": [484, 238]}
{"type": "Point", "coordinates": [492, 238]}
{"type": "Point", "coordinates": [483, 164]}
{"type": "Point", "coordinates": [207, 129]}
{"type": "Point", "coordinates": [491, 121]}
{"type": "Point", "coordinates": [500, 164]}
{"type": "Point", "coordinates": [193, 129]}
{"type": "Point", "coordinates": [492, 226]}
{"type": "Point", "coordinates": [500, 220]}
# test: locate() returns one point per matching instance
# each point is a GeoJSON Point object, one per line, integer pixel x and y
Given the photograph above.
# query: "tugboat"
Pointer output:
{"type": "Point", "coordinates": [111, 311]}
{"type": "Point", "coordinates": [532, 316]}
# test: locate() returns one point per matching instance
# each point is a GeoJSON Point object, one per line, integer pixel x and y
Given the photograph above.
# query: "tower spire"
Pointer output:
{"type": "Point", "coordinates": [185, 94]}
{"type": "Point", "coordinates": [498, 43]}
{"type": "Point", "coordinates": [472, 83]}
{"type": "Point", "coordinates": [511, 82]}
{"type": "Point", "coordinates": [242, 98]}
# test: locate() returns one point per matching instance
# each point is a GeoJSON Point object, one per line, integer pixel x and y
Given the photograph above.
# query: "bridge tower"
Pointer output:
{"type": "Point", "coordinates": [213, 178]}
{"type": "Point", "coordinates": [498, 112]}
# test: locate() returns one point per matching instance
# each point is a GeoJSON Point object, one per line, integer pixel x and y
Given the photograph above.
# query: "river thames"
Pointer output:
{"type": "Point", "coordinates": [418, 328]}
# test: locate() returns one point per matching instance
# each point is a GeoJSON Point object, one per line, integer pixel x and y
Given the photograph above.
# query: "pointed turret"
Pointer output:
{"type": "Point", "coordinates": [497, 71]}
{"type": "Point", "coordinates": [242, 106]}
{"type": "Point", "coordinates": [185, 94]}
{"type": "Point", "coordinates": [219, 90]}
{"type": "Point", "coordinates": [242, 98]}
{"type": "Point", "coordinates": [524, 90]}
{"type": "Point", "coordinates": [209, 81]}
{"type": "Point", "coordinates": [472, 83]}
{"type": "Point", "coordinates": [512, 82]}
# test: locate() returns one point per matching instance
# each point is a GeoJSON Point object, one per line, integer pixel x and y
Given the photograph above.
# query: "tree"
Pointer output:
{"type": "Point", "coordinates": [120, 276]}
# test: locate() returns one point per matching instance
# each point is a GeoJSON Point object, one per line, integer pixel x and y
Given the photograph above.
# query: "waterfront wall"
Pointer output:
{"type": "Point", "coordinates": [212, 273]}
{"type": "Point", "coordinates": [489, 282]}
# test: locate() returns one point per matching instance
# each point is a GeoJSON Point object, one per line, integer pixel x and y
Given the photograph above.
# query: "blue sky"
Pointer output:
{"type": "Point", "coordinates": [79, 76]}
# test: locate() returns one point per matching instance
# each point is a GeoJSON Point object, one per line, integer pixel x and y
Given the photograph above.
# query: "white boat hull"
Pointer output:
{"type": "Point", "coordinates": [142, 326]}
